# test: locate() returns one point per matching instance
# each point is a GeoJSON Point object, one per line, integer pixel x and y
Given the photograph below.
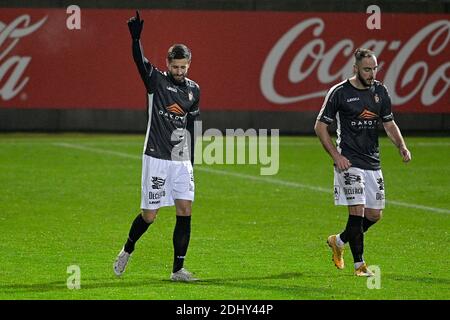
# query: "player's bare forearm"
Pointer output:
{"type": "Point", "coordinates": [396, 137]}
{"type": "Point", "coordinates": [394, 133]}
{"type": "Point", "coordinates": [322, 132]}
{"type": "Point", "coordinates": [342, 163]}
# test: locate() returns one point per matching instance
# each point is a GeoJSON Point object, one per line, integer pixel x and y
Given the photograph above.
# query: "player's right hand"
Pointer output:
{"type": "Point", "coordinates": [341, 162]}
{"type": "Point", "coordinates": [135, 25]}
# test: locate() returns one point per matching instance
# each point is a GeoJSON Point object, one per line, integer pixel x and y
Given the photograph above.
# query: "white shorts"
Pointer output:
{"type": "Point", "coordinates": [164, 181]}
{"type": "Point", "coordinates": [357, 186]}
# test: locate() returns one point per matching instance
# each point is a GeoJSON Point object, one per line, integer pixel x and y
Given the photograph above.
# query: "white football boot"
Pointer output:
{"type": "Point", "coordinates": [121, 262]}
{"type": "Point", "coordinates": [183, 275]}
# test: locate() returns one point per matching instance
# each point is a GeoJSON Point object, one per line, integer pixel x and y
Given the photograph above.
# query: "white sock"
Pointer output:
{"type": "Point", "coordinates": [339, 242]}
{"type": "Point", "coordinates": [358, 264]}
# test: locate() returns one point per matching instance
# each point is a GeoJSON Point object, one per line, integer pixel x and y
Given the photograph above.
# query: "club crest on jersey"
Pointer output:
{"type": "Point", "coordinates": [191, 95]}
{"type": "Point", "coordinates": [376, 98]}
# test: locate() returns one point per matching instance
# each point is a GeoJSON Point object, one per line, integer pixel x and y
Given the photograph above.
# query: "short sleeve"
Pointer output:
{"type": "Point", "coordinates": [386, 108]}
{"type": "Point", "coordinates": [329, 108]}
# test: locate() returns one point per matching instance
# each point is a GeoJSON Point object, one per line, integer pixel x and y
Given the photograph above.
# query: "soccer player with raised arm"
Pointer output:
{"type": "Point", "coordinates": [167, 164]}
{"type": "Point", "coordinates": [358, 105]}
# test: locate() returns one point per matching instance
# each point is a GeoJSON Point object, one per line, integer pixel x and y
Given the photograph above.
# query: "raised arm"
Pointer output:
{"type": "Point", "coordinates": [396, 137]}
{"type": "Point", "coordinates": [135, 25]}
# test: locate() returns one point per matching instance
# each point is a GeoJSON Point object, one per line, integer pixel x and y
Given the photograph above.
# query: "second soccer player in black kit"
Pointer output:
{"type": "Point", "coordinates": [167, 165]}
{"type": "Point", "coordinates": [358, 105]}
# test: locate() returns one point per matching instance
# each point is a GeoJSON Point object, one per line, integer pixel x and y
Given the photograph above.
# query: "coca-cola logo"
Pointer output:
{"type": "Point", "coordinates": [429, 85]}
{"type": "Point", "coordinates": [14, 65]}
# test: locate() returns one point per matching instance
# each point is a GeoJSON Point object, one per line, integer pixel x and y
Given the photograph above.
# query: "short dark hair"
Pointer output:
{"type": "Point", "coordinates": [179, 51]}
{"type": "Point", "coordinates": [361, 53]}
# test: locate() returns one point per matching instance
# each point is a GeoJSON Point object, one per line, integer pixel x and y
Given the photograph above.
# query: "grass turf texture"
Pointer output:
{"type": "Point", "coordinates": [70, 199]}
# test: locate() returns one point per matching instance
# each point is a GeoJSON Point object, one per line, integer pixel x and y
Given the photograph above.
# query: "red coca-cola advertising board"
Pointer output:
{"type": "Point", "coordinates": [267, 61]}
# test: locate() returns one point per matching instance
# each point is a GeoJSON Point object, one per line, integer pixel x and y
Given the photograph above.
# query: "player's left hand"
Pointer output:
{"type": "Point", "coordinates": [406, 155]}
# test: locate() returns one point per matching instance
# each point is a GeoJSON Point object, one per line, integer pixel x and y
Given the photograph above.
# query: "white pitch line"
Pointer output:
{"type": "Point", "coordinates": [320, 189]}
{"type": "Point", "coordinates": [262, 179]}
{"type": "Point", "coordinates": [384, 143]}
{"type": "Point", "coordinates": [430, 144]}
{"type": "Point", "coordinates": [249, 177]}
{"type": "Point", "coordinates": [418, 206]}
{"type": "Point", "coordinates": [96, 150]}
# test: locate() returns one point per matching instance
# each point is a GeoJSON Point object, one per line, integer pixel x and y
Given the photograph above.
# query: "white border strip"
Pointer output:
{"type": "Point", "coordinates": [250, 177]}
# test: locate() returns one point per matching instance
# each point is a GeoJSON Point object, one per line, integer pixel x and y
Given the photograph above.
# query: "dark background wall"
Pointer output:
{"type": "Point", "coordinates": [422, 6]}
{"type": "Point", "coordinates": [287, 122]}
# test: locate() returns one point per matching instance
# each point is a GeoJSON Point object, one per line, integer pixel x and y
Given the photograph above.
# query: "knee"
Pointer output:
{"type": "Point", "coordinates": [149, 216]}
{"type": "Point", "coordinates": [374, 215]}
{"type": "Point", "coordinates": [379, 216]}
{"type": "Point", "coordinates": [356, 210]}
{"type": "Point", "coordinates": [184, 211]}
{"type": "Point", "coordinates": [183, 207]}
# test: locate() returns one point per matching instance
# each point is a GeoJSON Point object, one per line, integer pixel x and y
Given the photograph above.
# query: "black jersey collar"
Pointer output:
{"type": "Point", "coordinates": [371, 88]}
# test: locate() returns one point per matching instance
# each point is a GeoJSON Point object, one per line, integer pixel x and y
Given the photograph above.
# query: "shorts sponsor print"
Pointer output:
{"type": "Point", "coordinates": [357, 186]}
{"type": "Point", "coordinates": [164, 181]}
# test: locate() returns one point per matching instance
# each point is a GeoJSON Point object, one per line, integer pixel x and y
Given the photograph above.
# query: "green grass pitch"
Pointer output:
{"type": "Point", "coordinates": [69, 199]}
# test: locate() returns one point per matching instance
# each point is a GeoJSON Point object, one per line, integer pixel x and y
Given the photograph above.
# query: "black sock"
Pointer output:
{"type": "Point", "coordinates": [367, 224]}
{"type": "Point", "coordinates": [356, 237]}
{"type": "Point", "coordinates": [138, 228]}
{"type": "Point", "coordinates": [344, 234]}
{"type": "Point", "coordinates": [181, 236]}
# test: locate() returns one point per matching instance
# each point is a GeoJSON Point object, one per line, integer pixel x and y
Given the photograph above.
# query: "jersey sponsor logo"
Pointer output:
{"type": "Point", "coordinates": [368, 120]}
{"type": "Point", "coordinates": [172, 89]}
{"type": "Point", "coordinates": [175, 108]}
{"type": "Point", "coordinates": [157, 182]}
{"type": "Point", "coordinates": [353, 99]}
{"type": "Point", "coordinates": [171, 116]}
{"type": "Point", "coordinates": [366, 114]}
{"type": "Point", "coordinates": [365, 124]}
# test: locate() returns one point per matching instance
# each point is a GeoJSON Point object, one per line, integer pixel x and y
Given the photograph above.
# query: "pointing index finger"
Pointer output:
{"type": "Point", "coordinates": [137, 15]}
